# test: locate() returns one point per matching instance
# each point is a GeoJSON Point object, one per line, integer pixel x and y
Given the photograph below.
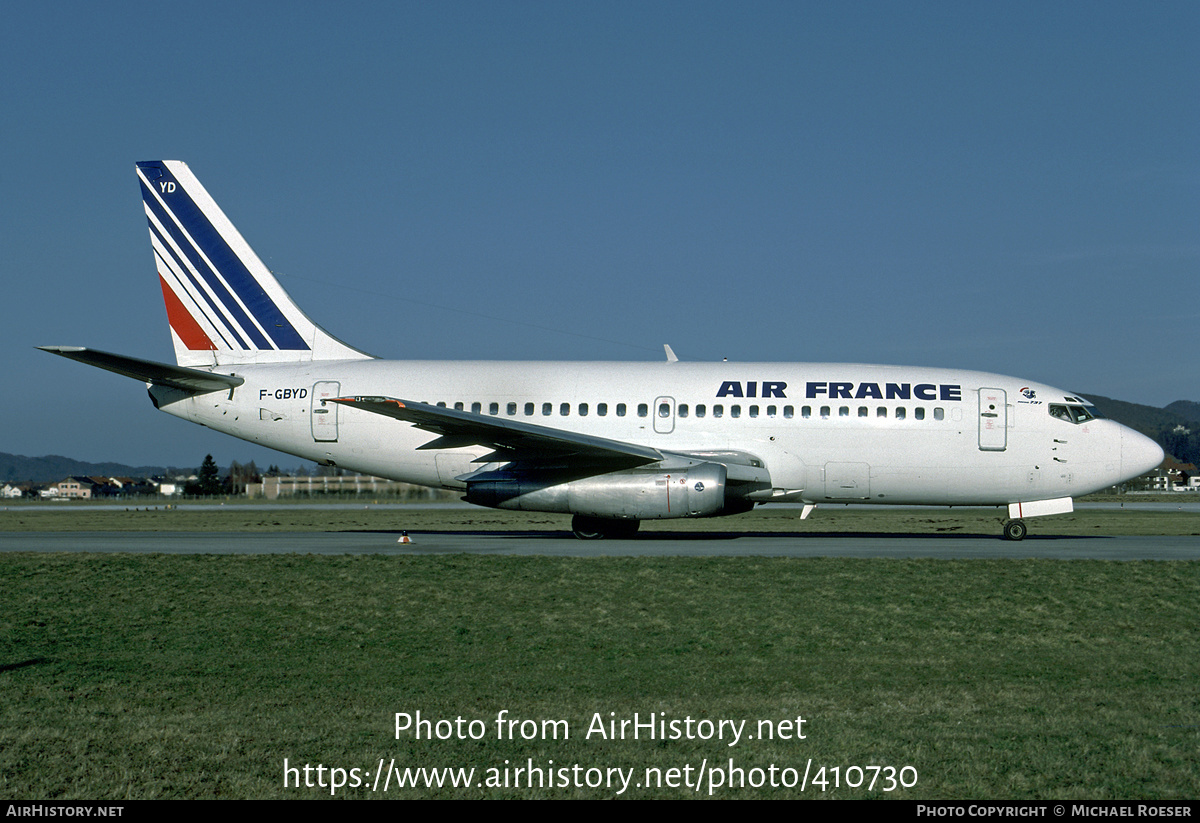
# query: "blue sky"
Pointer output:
{"type": "Point", "coordinates": [1011, 187]}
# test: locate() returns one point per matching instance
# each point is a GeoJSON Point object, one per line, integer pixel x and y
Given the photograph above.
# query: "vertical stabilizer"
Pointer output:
{"type": "Point", "coordinates": [225, 307]}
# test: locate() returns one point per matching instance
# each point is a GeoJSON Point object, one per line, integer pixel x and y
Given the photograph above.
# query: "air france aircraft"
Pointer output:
{"type": "Point", "coordinates": [610, 443]}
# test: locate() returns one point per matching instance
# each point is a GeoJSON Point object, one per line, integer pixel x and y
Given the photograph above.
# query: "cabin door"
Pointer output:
{"type": "Point", "coordinates": [993, 420]}
{"type": "Point", "coordinates": [325, 415]}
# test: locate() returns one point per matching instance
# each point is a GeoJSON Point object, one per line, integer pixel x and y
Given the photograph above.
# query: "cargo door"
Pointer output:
{"type": "Point", "coordinates": [847, 481]}
{"type": "Point", "coordinates": [451, 465]}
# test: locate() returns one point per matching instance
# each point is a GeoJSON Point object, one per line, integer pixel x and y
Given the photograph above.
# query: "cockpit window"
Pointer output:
{"type": "Point", "coordinates": [1074, 414]}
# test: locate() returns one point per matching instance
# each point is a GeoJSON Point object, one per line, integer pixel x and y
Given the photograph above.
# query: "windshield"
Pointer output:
{"type": "Point", "coordinates": [1074, 414]}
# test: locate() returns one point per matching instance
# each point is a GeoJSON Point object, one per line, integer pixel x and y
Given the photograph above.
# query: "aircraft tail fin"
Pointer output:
{"type": "Point", "coordinates": [224, 305]}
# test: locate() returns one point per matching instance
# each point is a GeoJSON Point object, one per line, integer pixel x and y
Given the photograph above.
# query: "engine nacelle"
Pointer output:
{"type": "Point", "coordinates": [636, 494]}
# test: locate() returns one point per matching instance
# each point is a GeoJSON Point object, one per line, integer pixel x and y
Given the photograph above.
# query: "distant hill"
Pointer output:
{"type": "Point", "coordinates": [1186, 408]}
{"type": "Point", "coordinates": [1149, 420]}
{"type": "Point", "coordinates": [16, 468]}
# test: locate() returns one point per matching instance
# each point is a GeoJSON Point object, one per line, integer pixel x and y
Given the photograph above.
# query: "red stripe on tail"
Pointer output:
{"type": "Point", "coordinates": [182, 322]}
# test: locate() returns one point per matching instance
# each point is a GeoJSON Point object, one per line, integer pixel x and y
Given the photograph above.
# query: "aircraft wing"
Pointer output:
{"type": "Point", "coordinates": [150, 371]}
{"type": "Point", "coordinates": [512, 440]}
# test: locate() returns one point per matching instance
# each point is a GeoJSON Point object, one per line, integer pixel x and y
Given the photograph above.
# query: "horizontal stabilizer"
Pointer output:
{"type": "Point", "coordinates": [149, 371]}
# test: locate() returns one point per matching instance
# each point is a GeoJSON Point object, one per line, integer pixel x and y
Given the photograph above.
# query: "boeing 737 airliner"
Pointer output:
{"type": "Point", "coordinates": [611, 443]}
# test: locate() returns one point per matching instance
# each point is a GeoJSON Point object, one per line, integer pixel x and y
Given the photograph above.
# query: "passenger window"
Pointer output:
{"type": "Point", "coordinates": [476, 408]}
{"type": "Point", "coordinates": [844, 411]}
{"type": "Point", "coordinates": [919, 412]}
{"type": "Point", "coordinates": [529, 410]}
{"type": "Point", "coordinates": [754, 411]}
{"type": "Point", "coordinates": [881, 411]}
{"type": "Point", "coordinates": [770, 411]}
{"type": "Point", "coordinates": [494, 408]}
{"type": "Point", "coordinates": [863, 411]}
{"type": "Point", "coordinates": [788, 412]}
{"type": "Point", "coordinates": [583, 409]}
{"type": "Point", "coordinates": [682, 411]}
{"type": "Point", "coordinates": [718, 410]}
{"type": "Point", "coordinates": [806, 412]}
{"type": "Point", "coordinates": [620, 410]}
{"type": "Point", "coordinates": [643, 410]}
{"type": "Point", "coordinates": [564, 409]}
{"type": "Point", "coordinates": [547, 409]}
{"type": "Point", "coordinates": [664, 409]}
{"type": "Point", "coordinates": [899, 412]}
{"type": "Point", "coordinates": [441, 404]}
{"type": "Point", "coordinates": [458, 406]}
{"type": "Point", "coordinates": [602, 409]}
{"type": "Point", "coordinates": [939, 414]}
{"type": "Point", "coordinates": [824, 412]}
{"type": "Point", "coordinates": [701, 410]}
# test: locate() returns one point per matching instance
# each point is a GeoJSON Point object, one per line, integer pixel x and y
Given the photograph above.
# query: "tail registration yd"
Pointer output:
{"type": "Point", "coordinates": [610, 443]}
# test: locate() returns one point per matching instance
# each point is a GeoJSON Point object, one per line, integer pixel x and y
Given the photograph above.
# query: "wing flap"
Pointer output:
{"type": "Point", "coordinates": [511, 439]}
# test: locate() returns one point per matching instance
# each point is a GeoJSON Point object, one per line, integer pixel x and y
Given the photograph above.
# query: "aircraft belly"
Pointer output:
{"type": "Point", "coordinates": [908, 484]}
{"type": "Point", "coordinates": [939, 468]}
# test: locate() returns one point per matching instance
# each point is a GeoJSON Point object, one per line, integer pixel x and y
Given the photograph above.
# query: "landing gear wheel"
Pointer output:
{"type": "Point", "coordinates": [599, 528]}
{"type": "Point", "coordinates": [1014, 530]}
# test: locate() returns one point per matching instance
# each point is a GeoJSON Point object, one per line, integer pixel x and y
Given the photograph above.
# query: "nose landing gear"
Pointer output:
{"type": "Point", "coordinates": [1014, 530]}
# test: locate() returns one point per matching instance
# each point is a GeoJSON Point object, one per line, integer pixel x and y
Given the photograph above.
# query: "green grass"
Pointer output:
{"type": "Point", "coordinates": [196, 676]}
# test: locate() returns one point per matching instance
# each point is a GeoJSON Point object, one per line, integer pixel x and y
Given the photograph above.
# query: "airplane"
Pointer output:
{"type": "Point", "coordinates": [610, 443]}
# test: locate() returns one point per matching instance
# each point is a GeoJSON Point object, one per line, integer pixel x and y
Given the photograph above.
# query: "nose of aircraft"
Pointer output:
{"type": "Point", "coordinates": [1139, 454]}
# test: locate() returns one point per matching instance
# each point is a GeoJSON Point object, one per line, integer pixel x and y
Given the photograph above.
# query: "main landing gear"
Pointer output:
{"type": "Point", "coordinates": [1014, 530]}
{"type": "Point", "coordinates": [599, 528]}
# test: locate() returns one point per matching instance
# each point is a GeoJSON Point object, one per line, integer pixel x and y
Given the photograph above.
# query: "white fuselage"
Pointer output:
{"type": "Point", "coordinates": [610, 443]}
{"type": "Point", "coordinates": [824, 432]}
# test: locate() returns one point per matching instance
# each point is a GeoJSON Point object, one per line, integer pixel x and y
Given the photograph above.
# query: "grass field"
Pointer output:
{"type": "Point", "coordinates": [196, 676]}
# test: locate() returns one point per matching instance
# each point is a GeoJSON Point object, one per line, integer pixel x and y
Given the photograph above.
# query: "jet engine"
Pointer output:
{"type": "Point", "coordinates": [651, 493]}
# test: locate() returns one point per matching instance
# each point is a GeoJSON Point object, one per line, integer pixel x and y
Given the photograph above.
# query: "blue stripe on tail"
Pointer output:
{"type": "Point", "coordinates": [186, 214]}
